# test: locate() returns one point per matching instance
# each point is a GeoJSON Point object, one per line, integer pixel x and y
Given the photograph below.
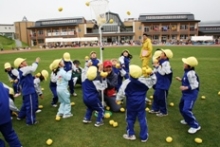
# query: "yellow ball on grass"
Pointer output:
{"type": "Point", "coordinates": [169, 139]}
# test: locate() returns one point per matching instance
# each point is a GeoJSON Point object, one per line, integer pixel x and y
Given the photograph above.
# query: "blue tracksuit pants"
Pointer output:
{"type": "Point", "coordinates": [64, 99]}
{"type": "Point", "coordinates": [16, 87]}
{"type": "Point", "coordinates": [160, 101]}
{"type": "Point", "coordinates": [28, 108]}
{"type": "Point", "coordinates": [131, 118]}
{"type": "Point", "coordinates": [186, 105]}
{"type": "Point", "coordinates": [9, 135]}
{"type": "Point", "coordinates": [94, 105]}
{"type": "Point", "coordinates": [54, 92]}
{"type": "Point", "coordinates": [71, 86]}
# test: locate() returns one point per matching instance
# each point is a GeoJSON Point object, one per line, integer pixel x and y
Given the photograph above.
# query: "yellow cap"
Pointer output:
{"type": "Point", "coordinates": [91, 73]}
{"type": "Point", "coordinates": [191, 61]}
{"type": "Point", "coordinates": [45, 74]}
{"type": "Point", "coordinates": [66, 56]}
{"type": "Point", "coordinates": [168, 53]}
{"type": "Point", "coordinates": [7, 65]}
{"type": "Point", "coordinates": [18, 62]}
{"type": "Point", "coordinates": [92, 52]}
{"type": "Point", "coordinates": [38, 74]}
{"type": "Point", "coordinates": [56, 63]}
{"type": "Point", "coordinates": [157, 54]}
{"type": "Point", "coordinates": [135, 71]}
{"type": "Point", "coordinates": [51, 66]}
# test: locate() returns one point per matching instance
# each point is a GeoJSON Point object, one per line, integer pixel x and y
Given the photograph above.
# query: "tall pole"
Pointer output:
{"type": "Point", "coordinates": [101, 58]}
{"type": "Point", "coordinates": [100, 41]}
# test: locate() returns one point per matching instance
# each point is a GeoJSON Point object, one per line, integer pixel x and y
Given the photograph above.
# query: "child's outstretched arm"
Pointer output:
{"type": "Point", "coordinates": [121, 93]}
{"type": "Point", "coordinates": [30, 69]}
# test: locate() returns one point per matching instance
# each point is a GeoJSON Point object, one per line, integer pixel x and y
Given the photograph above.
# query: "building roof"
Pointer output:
{"type": "Point", "coordinates": [209, 24]}
{"type": "Point", "coordinates": [6, 24]}
{"type": "Point", "coordinates": [49, 26]}
{"type": "Point", "coordinates": [65, 18]}
{"type": "Point", "coordinates": [167, 17]}
{"type": "Point", "coordinates": [166, 13]}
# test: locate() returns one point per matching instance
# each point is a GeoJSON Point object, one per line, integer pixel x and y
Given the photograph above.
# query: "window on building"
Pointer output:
{"type": "Point", "coordinates": [155, 37]}
{"type": "Point", "coordinates": [40, 41]}
{"type": "Point", "coordinates": [139, 27]}
{"type": "Point", "coordinates": [40, 32]}
{"type": "Point", "coordinates": [174, 27]}
{"type": "Point", "coordinates": [183, 27]}
{"type": "Point", "coordinates": [183, 36]}
{"type": "Point", "coordinates": [174, 36]}
{"type": "Point", "coordinates": [165, 28]}
{"type": "Point", "coordinates": [5, 27]}
{"type": "Point", "coordinates": [9, 27]}
{"type": "Point", "coordinates": [146, 28]}
{"type": "Point", "coordinates": [139, 37]}
{"type": "Point", "coordinates": [155, 28]}
{"type": "Point", "coordinates": [192, 27]}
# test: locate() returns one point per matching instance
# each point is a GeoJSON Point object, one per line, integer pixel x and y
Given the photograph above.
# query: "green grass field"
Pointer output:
{"type": "Point", "coordinates": [72, 132]}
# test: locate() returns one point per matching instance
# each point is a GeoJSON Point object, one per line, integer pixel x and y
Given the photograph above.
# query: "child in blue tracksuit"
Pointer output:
{"type": "Point", "coordinates": [39, 77]}
{"type": "Point", "coordinates": [135, 89]}
{"type": "Point", "coordinates": [190, 90]}
{"type": "Point", "coordinates": [63, 78]}
{"type": "Point", "coordinates": [69, 66]}
{"type": "Point", "coordinates": [5, 121]}
{"type": "Point", "coordinates": [124, 60]}
{"type": "Point", "coordinates": [13, 77]}
{"type": "Point", "coordinates": [91, 86]}
{"type": "Point", "coordinates": [53, 85]}
{"type": "Point", "coordinates": [93, 60]}
{"type": "Point", "coordinates": [164, 78]}
{"type": "Point", "coordinates": [120, 72]}
{"type": "Point", "coordinates": [28, 91]}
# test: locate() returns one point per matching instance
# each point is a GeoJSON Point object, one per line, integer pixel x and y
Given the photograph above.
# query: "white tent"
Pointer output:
{"type": "Point", "coordinates": [47, 40]}
{"type": "Point", "coordinates": [202, 38]}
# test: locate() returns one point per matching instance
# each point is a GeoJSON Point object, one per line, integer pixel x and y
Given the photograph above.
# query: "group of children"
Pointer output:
{"type": "Point", "coordinates": [66, 73]}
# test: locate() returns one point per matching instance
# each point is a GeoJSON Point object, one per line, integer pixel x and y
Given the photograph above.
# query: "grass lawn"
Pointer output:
{"type": "Point", "coordinates": [72, 132]}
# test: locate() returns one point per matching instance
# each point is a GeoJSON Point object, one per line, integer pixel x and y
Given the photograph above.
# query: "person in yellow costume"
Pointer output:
{"type": "Point", "coordinates": [146, 51]}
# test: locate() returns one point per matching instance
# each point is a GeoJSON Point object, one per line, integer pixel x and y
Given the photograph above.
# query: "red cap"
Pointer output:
{"type": "Point", "coordinates": [107, 63]}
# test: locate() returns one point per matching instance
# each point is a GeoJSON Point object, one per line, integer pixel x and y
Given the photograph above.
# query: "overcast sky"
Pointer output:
{"type": "Point", "coordinates": [15, 10]}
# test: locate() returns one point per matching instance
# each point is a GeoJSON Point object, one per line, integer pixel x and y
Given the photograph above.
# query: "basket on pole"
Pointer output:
{"type": "Point", "coordinates": [100, 8]}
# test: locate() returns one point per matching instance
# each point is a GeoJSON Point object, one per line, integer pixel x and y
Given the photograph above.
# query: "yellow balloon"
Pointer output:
{"type": "Point", "coordinates": [87, 3]}
{"type": "Point", "coordinates": [60, 9]}
{"type": "Point", "coordinates": [128, 13]}
{"type": "Point", "coordinates": [111, 21]}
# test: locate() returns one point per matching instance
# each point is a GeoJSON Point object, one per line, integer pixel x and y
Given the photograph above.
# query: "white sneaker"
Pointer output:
{"type": "Point", "coordinates": [74, 94]}
{"type": "Point", "coordinates": [183, 122]}
{"type": "Point", "coordinates": [132, 137]}
{"type": "Point", "coordinates": [86, 121]}
{"type": "Point", "coordinates": [54, 105]}
{"type": "Point", "coordinates": [161, 114]}
{"type": "Point", "coordinates": [67, 115]}
{"type": "Point", "coordinates": [193, 130]}
{"type": "Point", "coordinates": [144, 140]}
{"type": "Point", "coordinates": [38, 111]}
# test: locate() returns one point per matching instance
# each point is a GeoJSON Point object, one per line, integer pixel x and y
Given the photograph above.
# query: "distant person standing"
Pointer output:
{"type": "Point", "coordinates": [146, 51]}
